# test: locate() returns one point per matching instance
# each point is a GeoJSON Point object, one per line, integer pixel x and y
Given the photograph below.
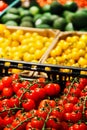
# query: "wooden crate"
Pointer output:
{"type": "Point", "coordinates": [43, 32]}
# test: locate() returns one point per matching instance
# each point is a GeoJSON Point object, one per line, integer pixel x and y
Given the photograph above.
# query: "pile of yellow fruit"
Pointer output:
{"type": "Point", "coordinates": [71, 51]}
{"type": "Point", "coordinates": [20, 45]}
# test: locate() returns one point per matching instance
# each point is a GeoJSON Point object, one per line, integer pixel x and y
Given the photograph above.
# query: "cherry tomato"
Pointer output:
{"type": "Point", "coordinates": [52, 89]}
{"type": "Point", "coordinates": [32, 95]}
{"type": "Point", "coordinates": [73, 99]}
{"type": "Point", "coordinates": [37, 122]}
{"type": "Point", "coordinates": [64, 125]}
{"type": "Point", "coordinates": [57, 112]}
{"type": "Point", "coordinates": [81, 126]}
{"type": "Point", "coordinates": [7, 81]}
{"type": "Point", "coordinates": [68, 107]}
{"type": "Point", "coordinates": [42, 112]}
{"type": "Point", "coordinates": [67, 116]}
{"type": "Point", "coordinates": [8, 92]}
{"type": "Point", "coordinates": [75, 116]}
{"type": "Point", "coordinates": [15, 77]}
{"type": "Point", "coordinates": [78, 107]}
{"type": "Point", "coordinates": [53, 122]}
{"type": "Point", "coordinates": [29, 127]}
{"type": "Point", "coordinates": [7, 128]}
{"type": "Point", "coordinates": [1, 85]}
{"type": "Point", "coordinates": [28, 104]}
{"type": "Point", "coordinates": [13, 101]}
{"type": "Point", "coordinates": [17, 86]}
{"type": "Point", "coordinates": [8, 120]}
{"type": "Point", "coordinates": [41, 93]}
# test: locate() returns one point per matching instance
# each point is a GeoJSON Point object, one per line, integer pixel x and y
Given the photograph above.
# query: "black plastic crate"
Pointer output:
{"type": "Point", "coordinates": [53, 73]}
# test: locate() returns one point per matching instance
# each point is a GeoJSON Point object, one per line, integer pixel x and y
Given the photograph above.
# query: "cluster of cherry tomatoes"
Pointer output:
{"type": "Point", "coordinates": [39, 105]}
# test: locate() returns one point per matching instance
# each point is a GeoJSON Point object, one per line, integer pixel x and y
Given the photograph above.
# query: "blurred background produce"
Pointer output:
{"type": "Point", "coordinates": [65, 16]}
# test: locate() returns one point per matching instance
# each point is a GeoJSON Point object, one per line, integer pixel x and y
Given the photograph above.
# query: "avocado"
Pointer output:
{"type": "Point", "coordinates": [69, 27]}
{"type": "Point", "coordinates": [54, 17]}
{"type": "Point", "coordinates": [46, 8]}
{"type": "Point", "coordinates": [59, 23]}
{"type": "Point", "coordinates": [27, 18]}
{"type": "Point", "coordinates": [79, 19]}
{"type": "Point", "coordinates": [47, 14]}
{"type": "Point", "coordinates": [45, 26]}
{"type": "Point", "coordinates": [67, 15]}
{"type": "Point", "coordinates": [38, 22]}
{"type": "Point", "coordinates": [26, 24]}
{"type": "Point", "coordinates": [71, 6]}
{"type": "Point", "coordinates": [25, 13]}
{"type": "Point", "coordinates": [56, 8]}
{"type": "Point", "coordinates": [13, 10]}
{"type": "Point", "coordinates": [11, 23]}
{"type": "Point", "coordinates": [46, 20]}
{"type": "Point", "coordinates": [34, 10]}
{"type": "Point", "coordinates": [20, 9]}
{"type": "Point", "coordinates": [37, 16]}
{"type": "Point", "coordinates": [10, 16]}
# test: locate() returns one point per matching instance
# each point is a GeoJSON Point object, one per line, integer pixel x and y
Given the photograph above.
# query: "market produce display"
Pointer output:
{"type": "Point", "coordinates": [70, 50]}
{"type": "Point", "coordinates": [80, 3]}
{"type": "Point", "coordinates": [23, 45]}
{"type": "Point", "coordinates": [42, 105]}
{"type": "Point", "coordinates": [67, 17]}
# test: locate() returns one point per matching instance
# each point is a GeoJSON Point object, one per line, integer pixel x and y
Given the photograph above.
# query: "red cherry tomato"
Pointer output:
{"type": "Point", "coordinates": [28, 104]}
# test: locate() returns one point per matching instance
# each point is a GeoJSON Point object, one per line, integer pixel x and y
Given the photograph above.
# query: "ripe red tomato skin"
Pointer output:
{"type": "Point", "coordinates": [78, 107]}
{"type": "Point", "coordinates": [64, 125]}
{"type": "Point", "coordinates": [76, 127]}
{"type": "Point", "coordinates": [8, 120]}
{"type": "Point", "coordinates": [57, 113]}
{"type": "Point", "coordinates": [25, 84]}
{"type": "Point", "coordinates": [1, 85]}
{"type": "Point", "coordinates": [7, 81]}
{"type": "Point", "coordinates": [8, 92]}
{"type": "Point", "coordinates": [42, 112]}
{"type": "Point", "coordinates": [83, 81]}
{"type": "Point", "coordinates": [52, 89]}
{"type": "Point", "coordinates": [13, 101]}
{"type": "Point", "coordinates": [75, 116]}
{"type": "Point", "coordinates": [29, 126]}
{"type": "Point", "coordinates": [7, 128]}
{"type": "Point", "coordinates": [28, 105]}
{"type": "Point", "coordinates": [17, 86]}
{"type": "Point", "coordinates": [71, 128]}
{"type": "Point", "coordinates": [41, 93]}
{"type": "Point", "coordinates": [68, 107]}
{"type": "Point", "coordinates": [67, 116]}
{"type": "Point", "coordinates": [15, 77]}
{"type": "Point", "coordinates": [83, 126]}
{"type": "Point", "coordinates": [32, 95]}
{"type": "Point", "coordinates": [72, 99]}
{"type": "Point", "coordinates": [75, 91]}
{"type": "Point", "coordinates": [53, 122]}
{"type": "Point", "coordinates": [79, 85]}
{"type": "Point", "coordinates": [37, 122]}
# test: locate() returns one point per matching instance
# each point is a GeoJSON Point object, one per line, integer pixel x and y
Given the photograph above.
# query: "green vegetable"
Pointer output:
{"type": "Point", "coordinates": [11, 23]}
{"type": "Point", "coordinates": [59, 23]}
{"type": "Point", "coordinates": [79, 19]}
{"type": "Point", "coordinates": [56, 7]}
{"type": "Point", "coordinates": [26, 24]}
{"type": "Point", "coordinates": [10, 16]}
